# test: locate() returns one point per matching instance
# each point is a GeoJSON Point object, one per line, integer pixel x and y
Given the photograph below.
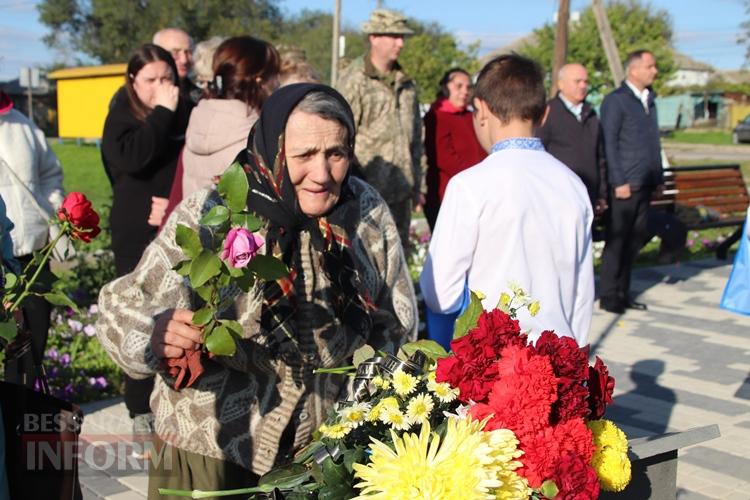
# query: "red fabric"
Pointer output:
{"type": "Point", "coordinates": [5, 103]}
{"type": "Point", "coordinates": [189, 366]}
{"type": "Point", "coordinates": [450, 145]}
{"type": "Point", "coordinates": [175, 194]}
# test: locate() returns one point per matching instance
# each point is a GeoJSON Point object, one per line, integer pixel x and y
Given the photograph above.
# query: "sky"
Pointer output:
{"type": "Point", "coordinates": [705, 30]}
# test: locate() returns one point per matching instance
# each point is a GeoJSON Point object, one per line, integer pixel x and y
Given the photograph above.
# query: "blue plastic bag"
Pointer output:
{"type": "Point", "coordinates": [440, 326]}
{"type": "Point", "coordinates": [736, 296]}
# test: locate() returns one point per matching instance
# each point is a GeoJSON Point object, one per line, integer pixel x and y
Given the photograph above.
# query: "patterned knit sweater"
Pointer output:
{"type": "Point", "coordinates": [240, 406]}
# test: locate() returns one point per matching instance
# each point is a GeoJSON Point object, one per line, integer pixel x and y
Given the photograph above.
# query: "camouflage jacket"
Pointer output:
{"type": "Point", "coordinates": [389, 127]}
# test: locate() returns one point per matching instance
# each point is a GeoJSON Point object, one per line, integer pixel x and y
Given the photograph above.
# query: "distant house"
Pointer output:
{"type": "Point", "coordinates": [83, 97]}
{"type": "Point", "coordinates": [689, 73]}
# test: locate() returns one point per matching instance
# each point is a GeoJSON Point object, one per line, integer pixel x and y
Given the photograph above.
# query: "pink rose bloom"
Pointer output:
{"type": "Point", "coordinates": [240, 247]}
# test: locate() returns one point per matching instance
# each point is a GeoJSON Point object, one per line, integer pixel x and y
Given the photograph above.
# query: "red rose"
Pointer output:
{"type": "Point", "coordinates": [575, 479]}
{"type": "Point", "coordinates": [601, 387]}
{"type": "Point", "coordinates": [76, 210]}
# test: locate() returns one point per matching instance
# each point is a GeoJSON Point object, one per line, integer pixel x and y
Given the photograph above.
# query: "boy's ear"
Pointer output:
{"type": "Point", "coordinates": [480, 108]}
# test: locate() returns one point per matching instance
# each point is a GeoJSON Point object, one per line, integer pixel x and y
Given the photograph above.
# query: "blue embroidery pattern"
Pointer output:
{"type": "Point", "coordinates": [532, 143]}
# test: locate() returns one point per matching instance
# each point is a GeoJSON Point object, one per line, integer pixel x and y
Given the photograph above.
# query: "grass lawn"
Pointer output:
{"type": "Point", "coordinates": [698, 136]}
{"type": "Point", "coordinates": [84, 172]}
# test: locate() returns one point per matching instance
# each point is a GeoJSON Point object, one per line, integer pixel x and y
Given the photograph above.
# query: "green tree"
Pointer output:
{"type": "Point", "coordinates": [430, 53]}
{"type": "Point", "coordinates": [634, 26]}
{"type": "Point", "coordinates": [108, 30]}
{"type": "Point", "coordinates": [312, 31]}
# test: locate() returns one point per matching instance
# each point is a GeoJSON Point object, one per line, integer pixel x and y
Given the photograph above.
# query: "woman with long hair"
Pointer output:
{"type": "Point", "coordinates": [143, 135]}
{"type": "Point", "coordinates": [450, 143]}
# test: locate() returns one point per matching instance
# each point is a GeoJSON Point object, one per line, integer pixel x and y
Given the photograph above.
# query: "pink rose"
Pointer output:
{"type": "Point", "coordinates": [240, 247]}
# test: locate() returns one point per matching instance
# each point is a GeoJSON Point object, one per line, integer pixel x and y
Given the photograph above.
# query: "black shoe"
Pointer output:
{"type": "Point", "coordinates": [638, 306]}
{"type": "Point", "coordinates": [613, 306]}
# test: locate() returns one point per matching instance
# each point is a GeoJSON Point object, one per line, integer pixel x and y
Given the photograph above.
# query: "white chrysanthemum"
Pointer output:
{"type": "Point", "coordinates": [404, 383]}
{"type": "Point", "coordinates": [419, 408]}
{"type": "Point", "coordinates": [355, 414]}
{"type": "Point", "coordinates": [396, 419]}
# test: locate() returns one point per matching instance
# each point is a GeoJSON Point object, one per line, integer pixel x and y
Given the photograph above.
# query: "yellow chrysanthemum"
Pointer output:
{"type": "Point", "coordinates": [534, 308]}
{"type": "Point", "coordinates": [380, 382]}
{"type": "Point", "coordinates": [384, 404]}
{"type": "Point", "coordinates": [444, 392]}
{"type": "Point", "coordinates": [396, 419]}
{"type": "Point", "coordinates": [355, 414]}
{"type": "Point", "coordinates": [466, 464]}
{"type": "Point", "coordinates": [610, 460]}
{"type": "Point", "coordinates": [404, 383]}
{"type": "Point", "coordinates": [335, 431]}
{"type": "Point", "coordinates": [419, 408]}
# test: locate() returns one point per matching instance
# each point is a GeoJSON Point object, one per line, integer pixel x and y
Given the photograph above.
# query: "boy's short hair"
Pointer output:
{"type": "Point", "coordinates": [513, 87]}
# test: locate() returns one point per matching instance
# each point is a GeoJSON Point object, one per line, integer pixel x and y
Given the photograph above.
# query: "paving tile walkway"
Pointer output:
{"type": "Point", "coordinates": [684, 363]}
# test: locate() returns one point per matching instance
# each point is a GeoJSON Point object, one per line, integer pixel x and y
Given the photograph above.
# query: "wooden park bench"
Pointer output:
{"type": "Point", "coordinates": [720, 190]}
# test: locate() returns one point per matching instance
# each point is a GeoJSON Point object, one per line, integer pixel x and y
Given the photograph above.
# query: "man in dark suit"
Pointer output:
{"type": "Point", "coordinates": [572, 133]}
{"type": "Point", "coordinates": [631, 140]}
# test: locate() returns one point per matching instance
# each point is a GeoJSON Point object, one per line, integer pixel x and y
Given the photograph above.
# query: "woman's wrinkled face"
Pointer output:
{"type": "Point", "coordinates": [149, 78]}
{"type": "Point", "coordinates": [317, 157]}
{"type": "Point", "coordinates": [459, 88]}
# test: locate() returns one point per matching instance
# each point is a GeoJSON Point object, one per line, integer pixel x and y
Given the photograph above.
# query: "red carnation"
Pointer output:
{"type": "Point", "coordinates": [522, 396]}
{"type": "Point", "coordinates": [540, 454]}
{"type": "Point", "coordinates": [76, 209]}
{"type": "Point", "coordinates": [572, 401]}
{"type": "Point", "coordinates": [575, 478]}
{"type": "Point", "coordinates": [568, 360]}
{"type": "Point", "coordinates": [471, 368]}
{"type": "Point", "coordinates": [601, 387]}
{"type": "Point", "coordinates": [575, 437]}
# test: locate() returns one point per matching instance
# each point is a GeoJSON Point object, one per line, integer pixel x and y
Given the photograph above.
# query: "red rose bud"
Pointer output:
{"type": "Point", "coordinates": [76, 209]}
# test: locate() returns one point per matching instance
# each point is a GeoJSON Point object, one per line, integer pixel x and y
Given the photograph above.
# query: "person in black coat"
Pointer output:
{"type": "Point", "coordinates": [631, 139]}
{"type": "Point", "coordinates": [572, 133]}
{"type": "Point", "coordinates": [143, 135]}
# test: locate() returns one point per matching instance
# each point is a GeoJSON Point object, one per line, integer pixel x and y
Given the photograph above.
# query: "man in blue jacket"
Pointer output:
{"type": "Point", "coordinates": [631, 141]}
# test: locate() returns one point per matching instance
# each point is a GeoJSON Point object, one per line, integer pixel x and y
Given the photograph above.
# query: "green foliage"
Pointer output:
{"type": "Point", "coordinates": [83, 171]}
{"type": "Point", "coordinates": [634, 26]}
{"type": "Point", "coordinates": [109, 30]}
{"type": "Point", "coordinates": [430, 53]}
{"type": "Point", "coordinates": [469, 318]}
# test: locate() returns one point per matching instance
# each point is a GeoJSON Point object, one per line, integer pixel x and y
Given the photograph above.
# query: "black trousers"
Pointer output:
{"type": "Point", "coordinates": [36, 312]}
{"type": "Point", "coordinates": [627, 231]}
{"type": "Point", "coordinates": [137, 392]}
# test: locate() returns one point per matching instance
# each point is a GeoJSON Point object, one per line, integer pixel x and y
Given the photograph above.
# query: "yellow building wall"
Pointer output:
{"type": "Point", "coordinates": [737, 113]}
{"type": "Point", "coordinates": [83, 104]}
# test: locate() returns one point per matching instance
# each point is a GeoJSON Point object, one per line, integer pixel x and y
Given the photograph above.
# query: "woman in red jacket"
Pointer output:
{"type": "Point", "coordinates": [450, 143]}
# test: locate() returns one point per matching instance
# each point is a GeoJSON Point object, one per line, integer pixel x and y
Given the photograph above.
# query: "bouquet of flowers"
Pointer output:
{"type": "Point", "coordinates": [497, 417]}
{"type": "Point", "coordinates": [77, 220]}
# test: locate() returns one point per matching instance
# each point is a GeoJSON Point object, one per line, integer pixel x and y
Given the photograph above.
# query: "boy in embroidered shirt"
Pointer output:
{"type": "Point", "coordinates": [518, 216]}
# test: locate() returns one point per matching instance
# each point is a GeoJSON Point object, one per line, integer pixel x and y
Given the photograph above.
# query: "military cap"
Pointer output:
{"type": "Point", "coordinates": [386, 22]}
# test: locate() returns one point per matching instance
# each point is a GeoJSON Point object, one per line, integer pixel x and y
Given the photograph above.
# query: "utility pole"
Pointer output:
{"type": "Point", "coordinates": [561, 44]}
{"type": "Point", "coordinates": [608, 42]}
{"type": "Point", "coordinates": [335, 43]}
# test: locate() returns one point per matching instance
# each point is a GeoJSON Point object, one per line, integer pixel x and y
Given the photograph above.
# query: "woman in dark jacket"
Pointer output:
{"type": "Point", "coordinates": [143, 135]}
{"type": "Point", "coordinates": [450, 143]}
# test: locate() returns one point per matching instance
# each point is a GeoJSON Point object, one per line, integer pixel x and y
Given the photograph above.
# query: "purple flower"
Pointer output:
{"type": "Point", "coordinates": [98, 382]}
{"type": "Point", "coordinates": [65, 359]}
{"type": "Point", "coordinates": [74, 325]}
{"type": "Point", "coordinates": [53, 372]}
{"type": "Point", "coordinates": [240, 246]}
{"type": "Point", "coordinates": [94, 309]}
{"type": "Point", "coordinates": [53, 354]}
{"type": "Point", "coordinates": [89, 330]}
{"type": "Point", "coordinates": [690, 243]}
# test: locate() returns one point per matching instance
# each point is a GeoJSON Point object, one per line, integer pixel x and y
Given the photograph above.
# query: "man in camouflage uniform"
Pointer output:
{"type": "Point", "coordinates": [386, 112]}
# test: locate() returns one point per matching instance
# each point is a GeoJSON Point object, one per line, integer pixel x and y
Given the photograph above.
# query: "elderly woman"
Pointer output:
{"type": "Point", "coordinates": [350, 286]}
